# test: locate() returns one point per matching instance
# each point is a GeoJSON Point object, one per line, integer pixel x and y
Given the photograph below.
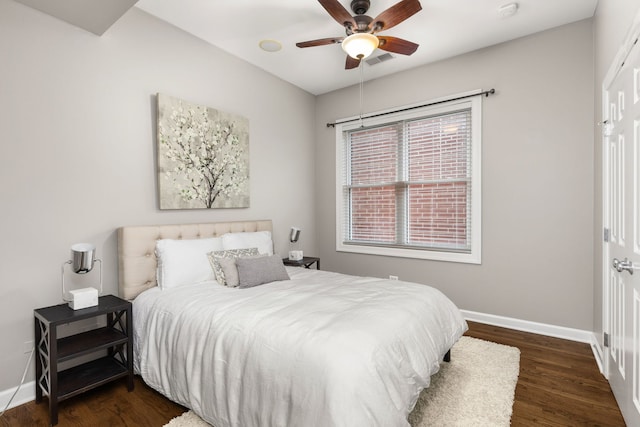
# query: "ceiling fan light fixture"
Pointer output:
{"type": "Point", "coordinates": [360, 45]}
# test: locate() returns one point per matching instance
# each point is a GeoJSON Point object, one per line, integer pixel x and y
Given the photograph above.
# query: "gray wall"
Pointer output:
{"type": "Point", "coordinates": [537, 177]}
{"type": "Point", "coordinates": [611, 22]}
{"type": "Point", "coordinates": [77, 158]}
{"type": "Point", "coordinates": [76, 105]}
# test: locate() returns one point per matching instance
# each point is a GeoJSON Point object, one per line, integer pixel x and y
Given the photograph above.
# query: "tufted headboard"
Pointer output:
{"type": "Point", "coordinates": [136, 248]}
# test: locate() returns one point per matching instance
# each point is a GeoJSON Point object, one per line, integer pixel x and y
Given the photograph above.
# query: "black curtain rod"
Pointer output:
{"type": "Point", "coordinates": [486, 93]}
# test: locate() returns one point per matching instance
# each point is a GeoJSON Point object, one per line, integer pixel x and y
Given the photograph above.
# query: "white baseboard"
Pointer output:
{"type": "Point", "coordinates": [533, 327]}
{"type": "Point", "coordinates": [571, 334]}
{"type": "Point", "coordinates": [598, 353]}
{"type": "Point", "coordinates": [27, 393]}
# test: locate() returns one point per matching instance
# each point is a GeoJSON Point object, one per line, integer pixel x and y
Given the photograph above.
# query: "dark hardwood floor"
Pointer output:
{"type": "Point", "coordinates": [559, 385]}
{"type": "Point", "coordinates": [559, 382]}
{"type": "Point", "coordinates": [108, 406]}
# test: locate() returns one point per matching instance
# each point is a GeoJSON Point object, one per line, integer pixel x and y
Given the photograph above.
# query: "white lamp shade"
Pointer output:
{"type": "Point", "coordinates": [82, 257]}
{"type": "Point", "coordinates": [360, 45]}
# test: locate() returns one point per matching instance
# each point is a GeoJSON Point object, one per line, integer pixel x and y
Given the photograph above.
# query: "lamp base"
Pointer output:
{"type": "Point", "coordinates": [83, 298]}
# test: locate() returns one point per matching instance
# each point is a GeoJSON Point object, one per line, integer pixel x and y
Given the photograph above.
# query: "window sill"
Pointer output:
{"type": "Point", "coordinates": [434, 255]}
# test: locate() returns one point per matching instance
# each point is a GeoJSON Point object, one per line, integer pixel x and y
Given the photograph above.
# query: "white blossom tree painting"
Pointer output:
{"type": "Point", "coordinates": [203, 156]}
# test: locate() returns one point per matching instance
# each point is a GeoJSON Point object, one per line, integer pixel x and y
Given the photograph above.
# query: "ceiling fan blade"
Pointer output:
{"type": "Point", "coordinates": [351, 63]}
{"type": "Point", "coordinates": [395, 14]}
{"type": "Point", "coordinates": [320, 42]}
{"type": "Point", "coordinates": [338, 12]}
{"type": "Point", "coordinates": [397, 45]}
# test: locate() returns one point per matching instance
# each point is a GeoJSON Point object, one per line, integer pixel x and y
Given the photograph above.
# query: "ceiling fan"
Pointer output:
{"type": "Point", "coordinates": [361, 30]}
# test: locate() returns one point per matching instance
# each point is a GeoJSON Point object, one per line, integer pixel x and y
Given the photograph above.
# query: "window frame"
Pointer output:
{"type": "Point", "coordinates": [412, 112]}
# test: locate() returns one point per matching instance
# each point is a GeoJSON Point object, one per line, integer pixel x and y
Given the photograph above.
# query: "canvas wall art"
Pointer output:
{"type": "Point", "coordinates": [203, 156]}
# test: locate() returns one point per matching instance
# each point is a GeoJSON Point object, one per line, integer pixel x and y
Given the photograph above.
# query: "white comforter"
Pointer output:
{"type": "Point", "coordinates": [323, 349]}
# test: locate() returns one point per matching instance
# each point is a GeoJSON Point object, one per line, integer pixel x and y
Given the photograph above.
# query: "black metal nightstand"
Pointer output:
{"type": "Point", "coordinates": [116, 338]}
{"type": "Point", "coordinates": [305, 262]}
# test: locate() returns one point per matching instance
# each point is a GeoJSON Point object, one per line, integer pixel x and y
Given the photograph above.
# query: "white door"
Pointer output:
{"type": "Point", "coordinates": [621, 142]}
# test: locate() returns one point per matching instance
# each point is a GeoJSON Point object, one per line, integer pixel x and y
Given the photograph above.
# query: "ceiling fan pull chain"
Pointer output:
{"type": "Point", "coordinates": [361, 91]}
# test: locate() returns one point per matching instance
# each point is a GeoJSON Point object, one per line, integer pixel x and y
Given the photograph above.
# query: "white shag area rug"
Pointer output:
{"type": "Point", "coordinates": [475, 389]}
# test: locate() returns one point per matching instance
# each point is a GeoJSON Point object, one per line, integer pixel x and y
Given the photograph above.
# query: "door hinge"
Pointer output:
{"type": "Point", "coordinates": [606, 339]}
{"type": "Point", "coordinates": [607, 235]}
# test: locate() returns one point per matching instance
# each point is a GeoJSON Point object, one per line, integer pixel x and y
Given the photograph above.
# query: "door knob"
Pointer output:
{"type": "Point", "coordinates": [623, 265]}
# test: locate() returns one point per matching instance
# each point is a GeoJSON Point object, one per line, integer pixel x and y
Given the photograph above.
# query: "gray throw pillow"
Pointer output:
{"type": "Point", "coordinates": [257, 271]}
{"type": "Point", "coordinates": [230, 271]}
{"type": "Point", "coordinates": [214, 258]}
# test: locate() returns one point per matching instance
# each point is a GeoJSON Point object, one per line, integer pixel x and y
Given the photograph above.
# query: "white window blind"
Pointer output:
{"type": "Point", "coordinates": [409, 184]}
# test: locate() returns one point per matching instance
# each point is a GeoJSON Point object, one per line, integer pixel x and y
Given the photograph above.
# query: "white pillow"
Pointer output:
{"type": "Point", "coordinates": [257, 239]}
{"type": "Point", "coordinates": [182, 262]}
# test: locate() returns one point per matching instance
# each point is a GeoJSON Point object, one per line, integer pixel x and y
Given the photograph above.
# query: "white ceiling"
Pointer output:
{"type": "Point", "coordinates": [443, 28]}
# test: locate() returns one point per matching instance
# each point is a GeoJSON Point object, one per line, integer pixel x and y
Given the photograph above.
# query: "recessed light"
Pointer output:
{"type": "Point", "coordinates": [270, 45]}
{"type": "Point", "coordinates": [507, 10]}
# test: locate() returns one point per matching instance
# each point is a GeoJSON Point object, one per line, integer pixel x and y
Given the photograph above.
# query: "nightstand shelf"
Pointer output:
{"type": "Point", "coordinates": [81, 378]}
{"type": "Point", "coordinates": [88, 342]}
{"type": "Point", "coordinates": [305, 262]}
{"type": "Point", "coordinates": [115, 339]}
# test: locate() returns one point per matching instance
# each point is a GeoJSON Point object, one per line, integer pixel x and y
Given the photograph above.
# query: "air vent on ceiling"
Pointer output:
{"type": "Point", "coordinates": [380, 58]}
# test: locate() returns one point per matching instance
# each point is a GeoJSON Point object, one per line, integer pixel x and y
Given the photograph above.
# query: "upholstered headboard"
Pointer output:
{"type": "Point", "coordinates": [136, 248]}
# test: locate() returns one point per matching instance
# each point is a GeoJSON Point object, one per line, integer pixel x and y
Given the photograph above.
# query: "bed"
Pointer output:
{"type": "Point", "coordinates": [315, 349]}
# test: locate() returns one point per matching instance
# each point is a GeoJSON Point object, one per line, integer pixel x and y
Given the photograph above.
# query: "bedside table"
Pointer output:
{"type": "Point", "coordinates": [116, 338]}
{"type": "Point", "coordinates": [305, 262]}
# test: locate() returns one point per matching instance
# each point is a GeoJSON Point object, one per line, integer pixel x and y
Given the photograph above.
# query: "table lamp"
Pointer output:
{"type": "Point", "coordinates": [83, 259]}
{"type": "Point", "coordinates": [294, 236]}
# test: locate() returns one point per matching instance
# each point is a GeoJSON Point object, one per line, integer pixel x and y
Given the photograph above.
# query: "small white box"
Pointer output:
{"type": "Point", "coordinates": [83, 298]}
{"type": "Point", "coordinates": [295, 255]}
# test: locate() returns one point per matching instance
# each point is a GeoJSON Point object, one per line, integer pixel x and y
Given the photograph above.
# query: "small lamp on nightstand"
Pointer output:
{"type": "Point", "coordinates": [294, 236]}
{"type": "Point", "coordinates": [83, 259]}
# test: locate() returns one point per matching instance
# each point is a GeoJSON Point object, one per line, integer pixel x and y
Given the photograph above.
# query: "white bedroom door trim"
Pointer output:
{"type": "Point", "coordinates": [621, 220]}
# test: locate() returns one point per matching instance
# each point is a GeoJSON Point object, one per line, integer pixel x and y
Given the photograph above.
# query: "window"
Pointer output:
{"type": "Point", "coordinates": [409, 183]}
